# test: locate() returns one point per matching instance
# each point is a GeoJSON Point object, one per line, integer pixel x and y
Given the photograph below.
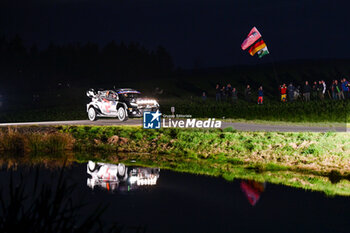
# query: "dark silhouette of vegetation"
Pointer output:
{"type": "Point", "coordinates": [74, 63]}
{"type": "Point", "coordinates": [46, 209]}
{"type": "Point", "coordinates": [89, 64]}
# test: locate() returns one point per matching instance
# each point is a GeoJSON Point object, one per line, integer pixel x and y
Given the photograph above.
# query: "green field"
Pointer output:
{"type": "Point", "coordinates": [313, 112]}
{"type": "Point", "coordinates": [183, 89]}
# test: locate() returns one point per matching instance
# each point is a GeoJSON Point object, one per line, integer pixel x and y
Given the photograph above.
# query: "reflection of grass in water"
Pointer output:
{"type": "Point", "coordinates": [298, 150]}
{"type": "Point", "coordinates": [46, 209]}
{"type": "Point", "coordinates": [213, 152]}
{"type": "Point", "coordinates": [54, 161]}
{"type": "Point", "coordinates": [270, 173]}
{"type": "Point", "coordinates": [331, 183]}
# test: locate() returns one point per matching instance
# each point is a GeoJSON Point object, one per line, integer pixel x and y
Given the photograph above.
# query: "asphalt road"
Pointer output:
{"type": "Point", "coordinates": [236, 125]}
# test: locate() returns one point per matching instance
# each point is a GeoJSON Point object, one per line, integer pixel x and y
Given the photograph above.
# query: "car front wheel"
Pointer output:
{"type": "Point", "coordinates": [92, 114]}
{"type": "Point", "coordinates": [122, 114]}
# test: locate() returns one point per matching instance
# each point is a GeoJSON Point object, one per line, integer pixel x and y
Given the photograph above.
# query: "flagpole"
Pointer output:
{"type": "Point", "coordinates": [253, 36]}
{"type": "Point", "coordinates": [274, 69]}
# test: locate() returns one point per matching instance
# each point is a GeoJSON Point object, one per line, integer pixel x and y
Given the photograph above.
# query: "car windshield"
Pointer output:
{"type": "Point", "coordinates": [131, 95]}
{"type": "Point", "coordinates": [111, 95]}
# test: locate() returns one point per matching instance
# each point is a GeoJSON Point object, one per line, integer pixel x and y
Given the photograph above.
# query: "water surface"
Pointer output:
{"type": "Point", "coordinates": [179, 202]}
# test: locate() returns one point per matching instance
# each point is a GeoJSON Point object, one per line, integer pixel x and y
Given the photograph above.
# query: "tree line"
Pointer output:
{"type": "Point", "coordinates": [88, 63]}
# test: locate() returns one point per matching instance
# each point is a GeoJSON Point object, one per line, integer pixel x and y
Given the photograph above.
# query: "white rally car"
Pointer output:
{"type": "Point", "coordinates": [122, 103]}
{"type": "Point", "coordinates": [116, 177]}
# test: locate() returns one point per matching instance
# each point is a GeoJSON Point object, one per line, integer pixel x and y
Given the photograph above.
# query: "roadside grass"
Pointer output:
{"type": "Point", "coordinates": [52, 113]}
{"type": "Point", "coordinates": [314, 112]}
{"type": "Point", "coordinates": [17, 142]}
{"type": "Point", "coordinates": [287, 123]}
{"type": "Point", "coordinates": [315, 161]}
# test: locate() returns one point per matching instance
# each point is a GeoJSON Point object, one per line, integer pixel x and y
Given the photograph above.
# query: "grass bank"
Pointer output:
{"type": "Point", "coordinates": [315, 161]}
{"type": "Point", "coordinates": [327, 111]}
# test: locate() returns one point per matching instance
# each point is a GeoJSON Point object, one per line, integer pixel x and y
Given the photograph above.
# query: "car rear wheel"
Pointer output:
{"type": "Point", "coordinates": [121, 169]}
{"type": "Point", "coordinates": [122, 172]}
{"type": "Point", "coordinates": [122, 114]}
{"type": "Point", "coordinates": [92, 114]}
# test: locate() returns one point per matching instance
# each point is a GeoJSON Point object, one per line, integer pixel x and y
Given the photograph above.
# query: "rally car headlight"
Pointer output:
{"type": "Point", "coordinates": [151, 102]}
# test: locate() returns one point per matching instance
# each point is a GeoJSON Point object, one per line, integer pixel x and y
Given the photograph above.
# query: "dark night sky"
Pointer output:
{"type": "Point", "coordinates": [202, 32]}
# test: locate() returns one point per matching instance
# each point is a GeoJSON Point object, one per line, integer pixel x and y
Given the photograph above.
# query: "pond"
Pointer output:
{"type": "Point", "coordinates": [153, 200]}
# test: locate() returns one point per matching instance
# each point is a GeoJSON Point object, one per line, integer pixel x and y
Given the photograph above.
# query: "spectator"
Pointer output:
{"type": "Point", "coordinates": [291, 90]}
{"type": "Point", "coordinates": [314, 91]}
{"type": "Point", "coordinates": [218, 93]}
{"type": "Point", "coordinates": [223, 93]}
{"type": "Point", "coordinates": [260, 95]}
{"type": "Point", "coordinates": [228, 92]}
{"type": "Point", "coordinates": [248, 93]}
{"type": "Point", "coordinates": [345, 87]}
{"type": "Point", "coordinates": [340, 90]}
{"type": "Point", "coordinates": [204, 96]}
{"type": "Point", "coordinates": [297, 93]}
{"type": "Point", "coordinates": [283, 90]}
{"type": "Point", "coordinates": [234, 95]}
{"type": "Point", "coordinates": [334, 90]}
{"type": "Point", "coordinates": [319, 89]}
{"type": "Point", "coordinates": [323, 89]}
{"type": "Point", "coordinates": [306, 91]}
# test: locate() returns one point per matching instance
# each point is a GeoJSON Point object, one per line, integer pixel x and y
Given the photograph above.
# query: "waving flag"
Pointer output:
{"type": "Point", "coordinates": [255, 43]}
{"type": "Point", "coordinates": [253, 36]}
{"type": "Point", "coordinates": [263, 52]}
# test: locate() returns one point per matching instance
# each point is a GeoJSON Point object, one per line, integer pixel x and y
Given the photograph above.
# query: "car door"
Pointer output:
{"type": "Point", "coordinates": [108, 106]}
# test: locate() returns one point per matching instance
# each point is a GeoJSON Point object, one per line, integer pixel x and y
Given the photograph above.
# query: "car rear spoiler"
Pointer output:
{"type": "Point", "coordinates": [91, 93]}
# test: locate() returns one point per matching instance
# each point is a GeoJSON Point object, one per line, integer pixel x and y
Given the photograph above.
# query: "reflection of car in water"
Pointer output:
{"type": "Point", "coordinates": [252, 190]}
{"type": "Point", "coordinates": [121, 103]}
{"type": "Point", "coordinates": [120, 177]}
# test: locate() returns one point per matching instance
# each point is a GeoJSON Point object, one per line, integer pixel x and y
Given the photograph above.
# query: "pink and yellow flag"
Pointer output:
{"type": "Point", "coordinates": [253, 36]}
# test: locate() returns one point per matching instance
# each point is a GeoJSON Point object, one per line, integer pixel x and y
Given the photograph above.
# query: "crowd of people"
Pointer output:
{"type": "Point", "coordinates": [318, 90]}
